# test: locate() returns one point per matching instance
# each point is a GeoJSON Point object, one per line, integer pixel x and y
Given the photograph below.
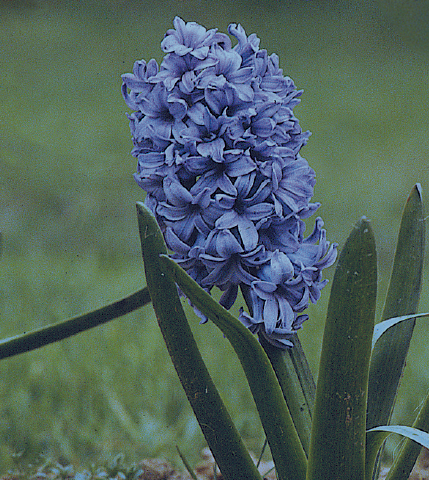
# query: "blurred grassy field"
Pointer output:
{"type": "Point", "coordinates": [67, 197]}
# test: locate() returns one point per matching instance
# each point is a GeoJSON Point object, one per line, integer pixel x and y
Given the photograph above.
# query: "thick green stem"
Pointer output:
{"type": "Point", "coordinates": [295, 378]}
{"type": "Point", "coordinates": [297, 384]}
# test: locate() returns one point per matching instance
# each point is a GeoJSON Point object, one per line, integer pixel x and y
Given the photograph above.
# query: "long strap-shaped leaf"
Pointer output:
{"type": "Point", "coordinates": [286, 449]}
{"type": "Point", "coordinates": [40, 337]}
{"type": "Point", "coordinates": [337, 448]}
{"type": "Point", "coordinates": [402, 298]}
{"type": "Point", "coordinates": [390, 351]}
{"type": "Point", "coordinates": [410, 450]}
{"type": "Point", "coordinates": [222, 437]}
{"type": "Point", "coordinates": [422, 438]}
{"type": "Point", "coordinates": [404, 462]}
{"type": "Point", "coordinates": [412, 434]}
{"type": "Point", "coordinates": [381, 328]}
{"type": "Point", "coordinates": [374, 440]}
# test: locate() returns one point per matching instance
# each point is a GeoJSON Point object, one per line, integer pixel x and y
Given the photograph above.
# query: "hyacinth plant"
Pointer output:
{"type": "Point", "coordinates": [227, 197]}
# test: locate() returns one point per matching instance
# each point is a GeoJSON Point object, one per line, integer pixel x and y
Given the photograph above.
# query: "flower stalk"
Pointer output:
{"type": "Point", "coordinates": [297, 384]}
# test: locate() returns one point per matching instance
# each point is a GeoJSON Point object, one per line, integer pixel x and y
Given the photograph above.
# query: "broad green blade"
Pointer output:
{"type": "Point", "coordinates": [390, 351]}
{"type": "Point", "coordinates": [221, 435]}
{"type": "Point", "coordinates": [59, 331]}
{"type": "Point", "coordinates": [422, 438]}
{"type": "Point", "coordinates": [409, 450]}
{"type": "Point", "coordinates": [377, 435]}
{"type": "Point", "coordinates": [388, 357]}
{"type": "Point", "coordinates": [405, 461]}
{"type": "Point", "coordinates": [286, 449]}
{"type": "Point", "coordinates": [337, 448]}
{"type": "Point", "coordinates": [383, 326]}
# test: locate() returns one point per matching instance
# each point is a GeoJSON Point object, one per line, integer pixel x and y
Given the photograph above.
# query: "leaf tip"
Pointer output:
{"type": "Point", "coordinates": [417, 188]}
{"type": "Point", "coordinates": [364, 224]}
{"type": "Point", "coordinates": [140, 207]}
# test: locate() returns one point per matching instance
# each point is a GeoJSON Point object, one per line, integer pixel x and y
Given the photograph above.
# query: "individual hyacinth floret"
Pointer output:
{"type": "Point", "coordinates": [218, 156]}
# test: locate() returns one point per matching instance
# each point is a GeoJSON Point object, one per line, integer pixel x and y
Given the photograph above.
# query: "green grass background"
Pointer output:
{"type": "Point", "coordinates": [67, 203]}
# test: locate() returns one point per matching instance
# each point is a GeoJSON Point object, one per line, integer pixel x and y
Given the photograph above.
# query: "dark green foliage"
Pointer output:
{"type": "Point", "coordinates": [337, 448]}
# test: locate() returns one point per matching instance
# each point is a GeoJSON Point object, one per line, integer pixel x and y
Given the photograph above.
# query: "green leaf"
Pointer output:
{"type": "Point", "coordinates": [337, 449]}
{"type": "Point", "coordinates": [407, 457]}
{"type": "Point", "coordinates": [40, 337]}
{"type": "Point", "coordinates": [422, 438]}
{"type": "Point", "coordinates": [377, 435]}
{"type": "Point", "coordinates": [390, 351]}
{"type": "Point", "coordinates": [383, 326]}
{"type": "Point", "coordinates": [286, 449]}
{"type": "Point", "coordinates": [405, 461]}
{"type": "Point", "coordinates": [221, 435]}
{"type": "Point", "coordinates": [187, 464]}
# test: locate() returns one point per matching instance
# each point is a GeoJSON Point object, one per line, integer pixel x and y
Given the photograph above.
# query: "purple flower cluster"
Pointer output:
{"type": "Point", "coordinates": [218, 155]}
